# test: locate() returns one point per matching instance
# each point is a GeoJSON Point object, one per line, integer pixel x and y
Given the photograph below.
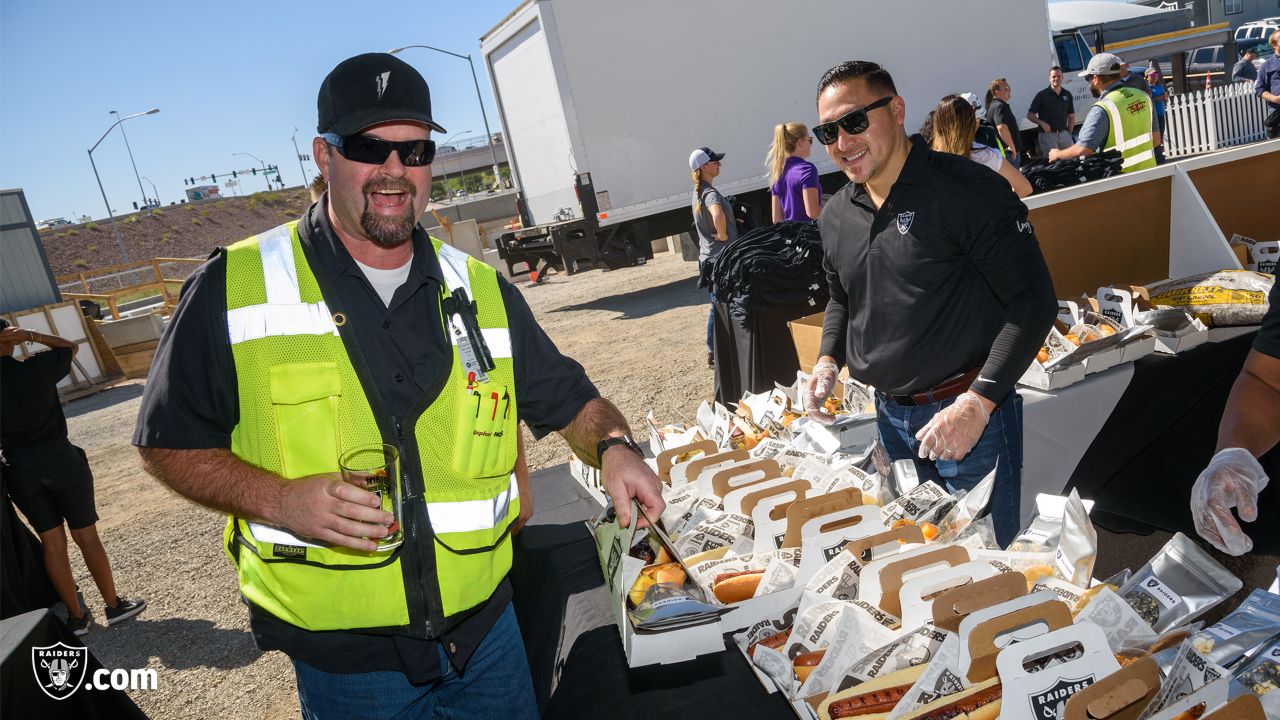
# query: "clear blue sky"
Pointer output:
{"type": "Point", "coordinates": [228, 77]}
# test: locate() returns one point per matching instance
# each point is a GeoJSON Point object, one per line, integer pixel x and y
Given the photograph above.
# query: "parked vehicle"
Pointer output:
{"type": "Point", "coordinates": [601, 102]}
{"type": "Point", "coordinates": [1257, 31]}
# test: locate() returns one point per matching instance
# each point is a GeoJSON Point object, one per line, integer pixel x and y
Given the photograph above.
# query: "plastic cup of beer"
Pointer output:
{"type": "Point", "coordinates": [376, 468]}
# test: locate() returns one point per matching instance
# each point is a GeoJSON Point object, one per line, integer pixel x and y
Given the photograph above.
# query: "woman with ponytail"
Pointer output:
{"type": "Point", "coordinates": [950, 128]}
{"type": "Point", "coordinates": [793, 180]}
{"type": "Point", "coordinates": [712, 217]}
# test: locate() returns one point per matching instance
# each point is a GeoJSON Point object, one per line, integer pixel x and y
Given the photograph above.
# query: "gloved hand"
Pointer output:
{"type": "Point", "coordinates": [1233, 479]}
{"type": "Point", "coordinates": [953, 432]}
{"type": "Point", "coordinates": [821, 381]}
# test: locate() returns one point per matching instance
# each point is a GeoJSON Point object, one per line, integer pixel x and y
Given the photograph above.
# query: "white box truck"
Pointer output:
{"type": "Point", "coordinates": [601, 101]}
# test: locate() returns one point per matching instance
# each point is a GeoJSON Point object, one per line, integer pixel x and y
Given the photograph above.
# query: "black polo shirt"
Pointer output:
{"type": "Point", "coordinates": [191, 402]}
{"type": "Point", "coordinates": [1053, 108]}
{"type": "Point", "coordinates": [947, 276]}
{"type": "Point", "coordinates": [999, 113]}
{"type": "Point", "coordinates": [1268, 340]}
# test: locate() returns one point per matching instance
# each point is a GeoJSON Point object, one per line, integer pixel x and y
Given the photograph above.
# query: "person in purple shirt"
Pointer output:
{"type": "Point", "coordinates": [793, 180]}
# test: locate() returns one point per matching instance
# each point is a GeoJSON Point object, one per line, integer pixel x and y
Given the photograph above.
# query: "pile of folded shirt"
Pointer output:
{"type": "Point", "coordinates": [1045, 176]}
{"type": "Point", "coordinates": [776, 266]}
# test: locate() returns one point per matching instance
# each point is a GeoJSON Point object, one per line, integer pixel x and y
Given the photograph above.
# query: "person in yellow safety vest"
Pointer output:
{"type": "Point", "coordinates": [1122, 119]}
{"type": "Point", "coordinates": [350, 328]}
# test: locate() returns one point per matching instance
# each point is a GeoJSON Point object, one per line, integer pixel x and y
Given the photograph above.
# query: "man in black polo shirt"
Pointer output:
{"type": "Point", "coordinates": [1250, 427]}
{"type": "Point", "coordinates": [1053, 110]}
{"type": "Point", "coordinates": [940, 297]}
{"type": "Point", "coordinates": [387, 297]}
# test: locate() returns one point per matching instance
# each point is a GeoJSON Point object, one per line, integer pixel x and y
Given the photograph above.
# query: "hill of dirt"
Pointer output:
{"type": "Point", "coordinates": [192, 229]}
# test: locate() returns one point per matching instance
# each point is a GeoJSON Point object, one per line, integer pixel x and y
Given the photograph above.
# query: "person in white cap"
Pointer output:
{"type": "Point", "coordinates": [713, 219]}
{"type": "Point", "coordinates": [1122, 119]}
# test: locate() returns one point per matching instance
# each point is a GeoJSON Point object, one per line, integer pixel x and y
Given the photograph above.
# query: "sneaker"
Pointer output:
{"type": "Point", "coordinates": [80, 626]}
{"type": "Point", "coordinates": [711, 360]}
{"type": "Point", "coordinates": [124, 609]}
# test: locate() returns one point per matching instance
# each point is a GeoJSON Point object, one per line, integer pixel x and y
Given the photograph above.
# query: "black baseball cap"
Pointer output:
{"type": "Point", "coordinates": [370, 89]}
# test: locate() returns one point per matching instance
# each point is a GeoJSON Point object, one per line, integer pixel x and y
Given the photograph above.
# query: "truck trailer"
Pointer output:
{"type": "Point", "coordinates": [601, 102]}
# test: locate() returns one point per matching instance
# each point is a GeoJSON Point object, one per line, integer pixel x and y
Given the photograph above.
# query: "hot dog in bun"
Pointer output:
{"type": "Point", "coordinates": [806, 662]}
{"type": "Point", "coordinates": [980, 702]}
{"type": "Point", "coordinates": [736, 586]}
{"type": "Point", "coordinates": [872, 700]}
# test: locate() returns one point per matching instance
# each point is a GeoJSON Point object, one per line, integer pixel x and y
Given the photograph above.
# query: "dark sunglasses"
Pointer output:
{"type": "Point", "coordinates": [372, 150]}
{"type": "Point", "coordinates": [852, 122]}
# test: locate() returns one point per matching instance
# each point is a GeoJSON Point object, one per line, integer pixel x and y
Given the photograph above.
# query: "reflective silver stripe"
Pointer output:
{"type": "Point", "coordinates": [284, 313]}
{"type": "Point", "coordinates": [279, 272]}
{"type": "Point", "coordinates": [469, 515]}
{"type": "Point", "coordinates": [453, 262]}
{"type": "Point", "coordinates": [1117, 128]}
{"type": "Point", "coordinates": [254, 322]}
{"type": "Point", "coordinates": [1140, 157]}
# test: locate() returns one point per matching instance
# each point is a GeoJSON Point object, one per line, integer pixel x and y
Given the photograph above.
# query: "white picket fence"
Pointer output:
{"type": "Point", "coordinates": [1208, 120]}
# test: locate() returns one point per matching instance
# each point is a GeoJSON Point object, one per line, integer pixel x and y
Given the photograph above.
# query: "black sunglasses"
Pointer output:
{"type": "Point", "coordinates": [852, 122]}
{"type": "Point", "coordinates": [375, 151]}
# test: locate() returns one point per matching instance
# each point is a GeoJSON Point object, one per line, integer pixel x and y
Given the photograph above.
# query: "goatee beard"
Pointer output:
{"type": "Point", "coordinates": [389, 232]}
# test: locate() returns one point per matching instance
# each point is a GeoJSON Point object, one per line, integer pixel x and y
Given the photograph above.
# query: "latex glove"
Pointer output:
{"type": "Point", "coordinates": [1233, 479]}
{"type": "Point", "coordinates": [953, 432]}
{"type": "Point", "coordinates": [821, 381]}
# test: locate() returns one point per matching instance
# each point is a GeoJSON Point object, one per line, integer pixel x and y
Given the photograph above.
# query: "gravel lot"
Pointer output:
{"type": "Point", "coordinates": [639, 334]}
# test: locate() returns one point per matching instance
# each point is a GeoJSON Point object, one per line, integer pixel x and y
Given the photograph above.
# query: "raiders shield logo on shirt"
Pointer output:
{"type": "Point", "coordinates": [904, 221]}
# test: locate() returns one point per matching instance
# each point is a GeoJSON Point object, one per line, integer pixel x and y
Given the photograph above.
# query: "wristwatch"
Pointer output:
{"type": "Point", "coordinates": [607, 443]}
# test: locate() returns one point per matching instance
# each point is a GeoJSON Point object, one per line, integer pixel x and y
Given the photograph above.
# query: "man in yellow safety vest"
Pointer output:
{"type": "Point", "coordinates": [350, 328]}
{"type": "Point", "coordinates": [1122, 119]}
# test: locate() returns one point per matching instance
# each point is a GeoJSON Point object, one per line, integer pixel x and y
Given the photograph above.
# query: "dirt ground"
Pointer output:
{"type": "Point", "coordinates": [638, 332]}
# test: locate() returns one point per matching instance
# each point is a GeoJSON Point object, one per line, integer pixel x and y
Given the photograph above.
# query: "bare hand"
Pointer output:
{"type": "Point", "coordinates": [626, 476]}
{"type": "Point", "coordinates": [1054, 153]}
{"type": "Point", "coordinates": [329, 509]}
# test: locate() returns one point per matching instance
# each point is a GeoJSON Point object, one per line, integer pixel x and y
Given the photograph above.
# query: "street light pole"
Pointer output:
{"type": "Point", "coordinates": [294, 138]}
{"type": "Point", "coordinates": [445, 166]}
{"type": "Point", "coordinates": [264, 167]}
{"type": "Point", "coordinates": [153, 190]}
{"type": "Point", "coordinates": [488, 136]}
{"type": "Point", "coordinates": [124, 254]}
{"type": "Point", "coordinates": [131, 162]}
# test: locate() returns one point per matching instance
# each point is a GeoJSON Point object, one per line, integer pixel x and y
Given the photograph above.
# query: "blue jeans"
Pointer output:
{"type": "Point", "coordinates": [495, 684]}
{"type": "Point", "coordinates": [999, 447]}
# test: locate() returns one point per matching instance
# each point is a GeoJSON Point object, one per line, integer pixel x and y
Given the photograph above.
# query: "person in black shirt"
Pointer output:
{"type": "Point", "coordinates": [999, 93]}
{"type": "Point", "coordinates": [1053, 110]}
{"type": "Point", "coordinates": [378, 272]}
{"type": "Point", "coordinates": [940, 297]}
{"type": "Point", "coordinates": [1250, 427]}
{"type": "Point", "coordinates": [48, 478]}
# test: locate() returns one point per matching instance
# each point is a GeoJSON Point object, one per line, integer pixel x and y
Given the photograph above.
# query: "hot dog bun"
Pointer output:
{"type": "Point", "coordinates": [872, 700]}
{"type": "Point", "coordinates": [713, 554]}
{"type": "Point", "coordinates": [736, 587]}
{"type": "Point", "coordinates": [980, 702]}
{"type": "Point", "coordinates": [806, 662]}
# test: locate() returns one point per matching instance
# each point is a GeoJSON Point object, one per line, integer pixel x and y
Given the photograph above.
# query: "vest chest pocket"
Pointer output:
{"type": "Point", "coordinates": [304, 403]}
{"type": "Point", "coordinates": [481, 436]}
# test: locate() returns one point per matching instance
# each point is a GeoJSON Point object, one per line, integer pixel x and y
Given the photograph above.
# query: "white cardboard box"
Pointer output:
{"type": "Point", "coordinates": [1039, 378]}
{"type": "Point", "coordinates": [1138, 348]}
{"type": "Point", "coordinates": [1175, 345]}
{"type": "Point", "coordinates": [646, 648]}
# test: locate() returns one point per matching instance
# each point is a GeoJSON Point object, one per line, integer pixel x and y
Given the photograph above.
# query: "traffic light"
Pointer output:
{"type": "Point", "coordinates": [213, 178]}
{"type": "Point", "coordinates": [233, 173]}
{"type": "Point", "coordinates": [255, 171]}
